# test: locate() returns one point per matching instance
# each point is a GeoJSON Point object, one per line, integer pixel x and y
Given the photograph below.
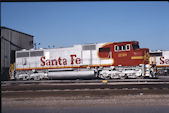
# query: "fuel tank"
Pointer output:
{"type": "Point", "coordinates": [72, 75]}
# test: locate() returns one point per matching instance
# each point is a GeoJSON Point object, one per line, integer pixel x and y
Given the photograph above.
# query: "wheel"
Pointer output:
{"type": "Point", "coordinates": [140, 77]}
{"type": "Point", "coordinates": [37, 78]}
{"type": "Point", "coordinates": [105, 76]}
{"type": "Point", "coordinates": [101, 76]}
{"type": "Point", "coordinates": [124, 77]}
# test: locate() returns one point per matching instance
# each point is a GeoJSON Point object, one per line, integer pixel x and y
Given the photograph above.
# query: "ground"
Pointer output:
{"type": "Point", "coordinates": [103, 101]}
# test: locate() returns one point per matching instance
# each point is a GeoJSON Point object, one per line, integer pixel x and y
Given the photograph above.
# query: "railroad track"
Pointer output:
{"type": "Point", "coordinates": [139, 84]}
{"type": "Point", "coordinates": [3, 83]}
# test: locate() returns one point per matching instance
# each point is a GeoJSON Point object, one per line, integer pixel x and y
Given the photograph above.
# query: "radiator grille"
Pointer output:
{"type": "Point", "coordinates": [89, 47]}
{"type": "Point", "coordinates": [36, 53]}
{"type": "Point", "coordinates": [22, 54]}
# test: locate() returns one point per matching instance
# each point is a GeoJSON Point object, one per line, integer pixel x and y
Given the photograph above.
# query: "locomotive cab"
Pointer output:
{"type": "Point", "coordinates": [129, 59]}
{"type": "Point", "coordinates": [130, 54]}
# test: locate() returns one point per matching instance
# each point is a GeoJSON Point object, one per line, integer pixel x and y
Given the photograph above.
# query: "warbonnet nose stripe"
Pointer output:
{"type": "Point", "coordinates": [137, 57]}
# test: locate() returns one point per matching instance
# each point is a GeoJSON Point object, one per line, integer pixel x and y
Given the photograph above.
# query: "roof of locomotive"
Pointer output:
{"type": "Point", "coordinates": [125, 42]}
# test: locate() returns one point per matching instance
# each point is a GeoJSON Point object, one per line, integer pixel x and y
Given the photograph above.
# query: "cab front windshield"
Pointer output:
{"type": "Point", "coordinates": [135, 46]}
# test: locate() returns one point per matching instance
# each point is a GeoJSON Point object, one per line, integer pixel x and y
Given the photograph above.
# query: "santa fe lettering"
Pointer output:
{"type": "Point", "coordinates": [59, 61]}
{"type": "Point", "coordinates": [164, 61]}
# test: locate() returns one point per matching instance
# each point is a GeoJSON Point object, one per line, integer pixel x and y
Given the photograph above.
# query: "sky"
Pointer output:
{"type": "Point", "coordinates": [63, 24]}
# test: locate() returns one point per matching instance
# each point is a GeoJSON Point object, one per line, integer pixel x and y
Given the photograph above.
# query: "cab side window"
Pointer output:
{"type": "Point", "coordinates": [116, 48]}
{"type": "Point", "coordinates": [135, 46]}
{"type": "Point", "coordinates": [122, 48]}
{"type": "Point", "coordinates": [107, 49]}
{"type": "Point", "coordinates": [128, 47]}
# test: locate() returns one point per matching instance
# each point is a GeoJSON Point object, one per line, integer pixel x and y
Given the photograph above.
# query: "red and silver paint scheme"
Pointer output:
{"type": "Point", "coordinates": [160, 59]}
{"type": "Point", "coordinates": [84, 61]}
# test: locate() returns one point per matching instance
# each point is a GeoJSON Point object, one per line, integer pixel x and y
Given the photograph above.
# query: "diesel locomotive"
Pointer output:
{"type": "Point", "coordinates": [84, 61]}
{"type": "Point", "coordinates": [161, 60]}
